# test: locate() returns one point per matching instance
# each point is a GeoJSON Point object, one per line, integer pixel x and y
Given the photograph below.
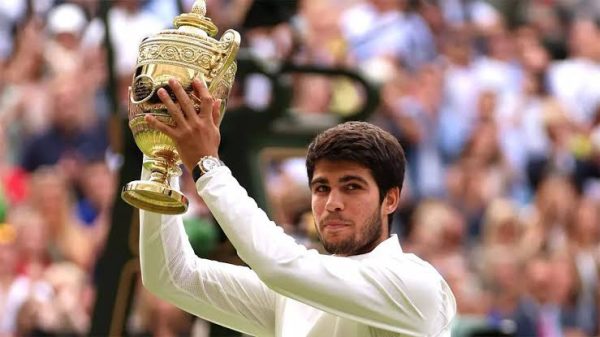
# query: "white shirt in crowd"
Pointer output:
{"type": "Point", "coordinates": [575, 83]}
{"type": "Point", "coordinates": [290, 291]}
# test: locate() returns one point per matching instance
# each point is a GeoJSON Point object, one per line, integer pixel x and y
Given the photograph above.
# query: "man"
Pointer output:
{"type": "Point", "coordinates": [369, 287]}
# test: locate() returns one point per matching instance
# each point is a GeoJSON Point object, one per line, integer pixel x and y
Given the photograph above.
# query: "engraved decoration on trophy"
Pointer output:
{"type": "Point", "coordinates": [186, 52]}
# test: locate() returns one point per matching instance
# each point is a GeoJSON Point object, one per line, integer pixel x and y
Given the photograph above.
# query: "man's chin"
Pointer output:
{"type": "Point", "coordinates": [338, 247]}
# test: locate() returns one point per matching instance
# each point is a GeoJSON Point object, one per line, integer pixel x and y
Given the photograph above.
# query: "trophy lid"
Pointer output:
{"type": "Point", "coordinates": [196, 21]}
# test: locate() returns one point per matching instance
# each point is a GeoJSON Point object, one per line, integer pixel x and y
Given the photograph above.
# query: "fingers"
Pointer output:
{"type": "Point", "coordinates": [185, 103]}
{"type": "Point", "coordinates": [199, 86]}
{"type": "Point", "coordinates": [172, 107]}
{"type": "Point", "coordinates": [160, 126]}
{"type": "Point", "coordinates": [184, 110]}
{"type": "Point", "coordinates": [201, 91]}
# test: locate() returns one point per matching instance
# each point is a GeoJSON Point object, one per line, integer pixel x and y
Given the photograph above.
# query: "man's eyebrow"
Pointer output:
{"type": "Point", "coordinates": [319, 180]}
{"type": "Point", "coordinates": [348, 178]}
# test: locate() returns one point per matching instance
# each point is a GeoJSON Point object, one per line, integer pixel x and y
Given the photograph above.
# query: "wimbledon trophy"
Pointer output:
{"type": "Point", "coordinates": [184, 53]}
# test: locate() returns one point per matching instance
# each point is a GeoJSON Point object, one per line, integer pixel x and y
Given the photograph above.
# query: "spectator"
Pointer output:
{"type": "Point", "coordinates": [74, 135]}
{"type": "Point", "coordinates": [438, 232]}
{"type": "Point", "coordinates": [501, 272]}
{"type": "Point", "coordinates": [32, 241]}
{"type": "Point", "coordinates": [53, 199]}
{"type": "Point", "coordinates": [15, 290]}
{"type": "Point", "coordinates": [66, 24]}
{"type": "Point", "coordinates": [460, 91]}
{"type": "Point", "coordinates": [67, 311]}
{"type": "Point", "coordinates": [24, 98]}
{"type": "Point", "coordinates": [573, 81]}
{"type": "Point", "coordinates": [538, 312]}
{"type": "Point", "coordinates": [502, 226]}
{"type": "Point", "coordinates": [549, 215]}
{"type": "Point", "coordinates": [584, 234]}
{"type": "Point", "coordinates": [377, 28]}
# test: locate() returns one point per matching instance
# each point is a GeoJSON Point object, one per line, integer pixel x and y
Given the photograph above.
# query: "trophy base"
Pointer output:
{"type": "Point", "coordinates": [154, 197]}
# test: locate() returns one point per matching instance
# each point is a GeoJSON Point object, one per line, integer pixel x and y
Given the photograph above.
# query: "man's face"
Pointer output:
{"type": "Point", "coordinates": [349, 216]}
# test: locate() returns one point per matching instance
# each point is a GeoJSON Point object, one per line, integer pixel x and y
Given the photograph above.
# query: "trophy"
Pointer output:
{"type": "Point", "coordinates": [184, 53]}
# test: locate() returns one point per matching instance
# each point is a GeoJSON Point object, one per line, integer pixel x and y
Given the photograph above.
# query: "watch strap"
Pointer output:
{"type": "Point", "coordinates": [196, 172]}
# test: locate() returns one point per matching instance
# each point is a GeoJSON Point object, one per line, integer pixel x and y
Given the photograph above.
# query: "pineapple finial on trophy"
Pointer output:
{"type": "Point", "coordinates": [199, 7]}
{"type": "Point", "coordinates": [196, 21]}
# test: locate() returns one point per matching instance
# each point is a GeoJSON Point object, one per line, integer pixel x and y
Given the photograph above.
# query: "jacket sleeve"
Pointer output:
{"type": "Point", "coordinates": [229, 295]}
{"type": "Point", "coordinates": [400, 293]}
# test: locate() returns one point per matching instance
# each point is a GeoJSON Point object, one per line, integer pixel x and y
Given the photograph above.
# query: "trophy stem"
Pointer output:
{"type": "Point", "coordinates": [159, 171]}
{"type": "Point", "coordinates": [156, 194]}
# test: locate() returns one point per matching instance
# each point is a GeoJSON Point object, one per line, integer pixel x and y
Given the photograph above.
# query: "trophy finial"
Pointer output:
{"type": "Point", "coordinates": [197, 19]}
{"type": "Point", "coordinates": [199, 7]}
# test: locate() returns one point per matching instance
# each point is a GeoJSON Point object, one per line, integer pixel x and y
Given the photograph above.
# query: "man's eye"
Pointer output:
{"type": "Point", "coordinates": [352, 187]}
{"type": "Point", "coordinates": [321, 188]}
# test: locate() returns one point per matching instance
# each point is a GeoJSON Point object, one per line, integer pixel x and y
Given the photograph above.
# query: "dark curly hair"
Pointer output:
{"type": "Point", "coordinates": [365, 144]}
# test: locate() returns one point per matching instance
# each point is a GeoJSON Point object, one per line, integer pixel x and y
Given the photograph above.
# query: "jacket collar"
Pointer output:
{"type": "Point", "coordinates": [388, 247]}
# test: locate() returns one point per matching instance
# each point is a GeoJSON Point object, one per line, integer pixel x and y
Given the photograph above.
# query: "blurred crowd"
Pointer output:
{"type": "Point", "coordinates": [497, 104]}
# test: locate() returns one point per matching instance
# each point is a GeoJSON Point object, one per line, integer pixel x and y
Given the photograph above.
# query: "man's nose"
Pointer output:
{"type": "Point", "coordinates": [335, 202]}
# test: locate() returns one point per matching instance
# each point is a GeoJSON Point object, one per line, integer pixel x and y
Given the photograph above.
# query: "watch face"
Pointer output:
{"type": "Point", "coordinates": [209, 164]}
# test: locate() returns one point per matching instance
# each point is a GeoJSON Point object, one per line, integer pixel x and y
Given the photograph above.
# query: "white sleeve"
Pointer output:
{"type": "Point", "coordinates": [397, 293]}
{"type": "Point", "coordinates": [229, 295]}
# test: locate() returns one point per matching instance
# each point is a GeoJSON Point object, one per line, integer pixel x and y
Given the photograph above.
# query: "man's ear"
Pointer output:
{"type": "Point", "coordinates": [391, 200]}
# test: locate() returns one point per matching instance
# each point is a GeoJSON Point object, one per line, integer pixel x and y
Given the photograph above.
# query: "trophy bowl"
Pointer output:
{"type": "Point", "coordinates": [189, 51]}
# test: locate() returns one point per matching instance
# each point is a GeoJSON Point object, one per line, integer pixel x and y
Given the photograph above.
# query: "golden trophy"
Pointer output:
{"type": "Point", "coordinates": [186, 52]}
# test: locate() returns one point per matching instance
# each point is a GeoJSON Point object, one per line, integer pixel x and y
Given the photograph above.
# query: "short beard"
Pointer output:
{"type": "Point", "coordinates": [357, 245]}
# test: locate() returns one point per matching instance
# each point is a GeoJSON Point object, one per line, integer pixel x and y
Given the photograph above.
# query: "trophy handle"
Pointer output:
{"type": "Point", "coordinates": [225, 75]}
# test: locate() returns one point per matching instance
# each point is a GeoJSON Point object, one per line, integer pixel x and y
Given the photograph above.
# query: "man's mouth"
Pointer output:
{"type": "Point", "coordinates": [335, 225]}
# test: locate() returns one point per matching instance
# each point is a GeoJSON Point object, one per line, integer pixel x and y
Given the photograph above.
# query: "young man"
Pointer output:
{"type": "Point", "coordinates": [368, 287]}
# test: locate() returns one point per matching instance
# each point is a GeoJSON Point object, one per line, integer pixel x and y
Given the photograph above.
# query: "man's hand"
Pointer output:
{"type": "Point", "coordinates": [196, 133]}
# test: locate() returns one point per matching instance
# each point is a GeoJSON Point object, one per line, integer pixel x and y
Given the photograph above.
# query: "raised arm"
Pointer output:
{"type": "Point", "coordinates": [400, 294]}
{"type": "Point", "coordinates": [229, 295]}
